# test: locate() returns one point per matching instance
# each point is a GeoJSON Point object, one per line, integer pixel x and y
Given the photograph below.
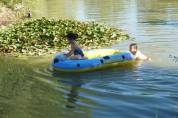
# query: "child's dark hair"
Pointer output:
{"type": "Point", "coordinates": [133, 44]}
{"type": "Point", "coordinates": [72, 36]}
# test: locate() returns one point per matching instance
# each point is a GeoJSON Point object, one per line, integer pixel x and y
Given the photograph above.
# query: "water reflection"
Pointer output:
{"type": "Point", "coordinates": [161, 22]}
{"type": "Point", "coordinates": [75, 83]}
{"type": "Point", "coordinates": [78, 81]}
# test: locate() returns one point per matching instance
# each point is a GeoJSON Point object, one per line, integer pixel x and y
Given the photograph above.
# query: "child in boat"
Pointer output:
{"type": "Point", "coordinates": [75, 50]}
{"type": "Point", "coordinates": [133, 48]}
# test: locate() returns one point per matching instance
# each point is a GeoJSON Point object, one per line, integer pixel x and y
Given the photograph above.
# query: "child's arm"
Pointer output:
{"type": "Point", "coordinates": [141, 56]}
{"type": "Point", "coordinates": [70, 52]}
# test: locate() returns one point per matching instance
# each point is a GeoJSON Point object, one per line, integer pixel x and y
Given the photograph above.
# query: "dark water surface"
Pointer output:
{"type": "Point", "coordinates": [29, 89]}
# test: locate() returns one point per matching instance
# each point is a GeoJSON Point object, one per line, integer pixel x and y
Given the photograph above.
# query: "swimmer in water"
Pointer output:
{"type": "Point", "coordinates": [133, 48]}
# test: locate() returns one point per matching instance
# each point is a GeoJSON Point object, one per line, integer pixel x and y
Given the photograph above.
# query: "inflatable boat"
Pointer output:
{"type": "Point", "coordinates": [96, 59]}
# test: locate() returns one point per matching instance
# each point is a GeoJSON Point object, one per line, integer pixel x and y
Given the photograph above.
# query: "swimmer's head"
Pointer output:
{"type": "Point", "coordinates": [133, 48]}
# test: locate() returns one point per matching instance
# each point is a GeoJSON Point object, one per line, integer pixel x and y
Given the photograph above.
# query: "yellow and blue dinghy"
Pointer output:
{"type": "Point", "coordinates": [97, 59]}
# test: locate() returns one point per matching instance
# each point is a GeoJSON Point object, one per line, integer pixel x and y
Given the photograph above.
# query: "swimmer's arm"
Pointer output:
{"type": "Point", "coordinates": [143, 57]}
{"type": "Point", "coordinates": [147, 58]}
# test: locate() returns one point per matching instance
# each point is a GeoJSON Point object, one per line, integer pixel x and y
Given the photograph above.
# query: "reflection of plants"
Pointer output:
{"type": "Point", "coordinates": [40, 36]}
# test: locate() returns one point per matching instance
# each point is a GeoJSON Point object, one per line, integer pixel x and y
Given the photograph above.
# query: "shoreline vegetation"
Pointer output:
{"type": "Point", "coordinates": [13, 14]}
{"type": "Point", "coordinates": [33, 37]}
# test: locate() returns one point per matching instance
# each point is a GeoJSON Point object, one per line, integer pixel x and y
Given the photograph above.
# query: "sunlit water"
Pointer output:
{"type": "Point", "coordinates": [30, 89]}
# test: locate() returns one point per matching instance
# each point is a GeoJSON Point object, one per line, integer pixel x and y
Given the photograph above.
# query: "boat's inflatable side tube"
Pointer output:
{"type": "Point", "coordinates": [60, 62]}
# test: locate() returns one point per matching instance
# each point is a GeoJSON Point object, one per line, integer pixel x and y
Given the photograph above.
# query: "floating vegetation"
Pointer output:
{"type": "Point", "coordinates": [44, 36]}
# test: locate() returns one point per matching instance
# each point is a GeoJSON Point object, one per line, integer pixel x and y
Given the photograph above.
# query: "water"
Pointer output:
{"type": "Point", "coordinates": [29, 89]}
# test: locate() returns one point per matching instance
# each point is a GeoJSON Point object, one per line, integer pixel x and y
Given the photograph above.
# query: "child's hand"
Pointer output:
{"type": "Point", "coordinates": [149, 59]}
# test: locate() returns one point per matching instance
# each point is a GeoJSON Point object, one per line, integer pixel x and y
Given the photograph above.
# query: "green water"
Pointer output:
{"type": "Point", "coordinates": [30, 89]}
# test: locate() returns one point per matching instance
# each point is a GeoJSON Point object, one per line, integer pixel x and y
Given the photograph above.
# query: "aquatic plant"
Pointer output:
{"type": "Point", "coordinates": [44, 36]}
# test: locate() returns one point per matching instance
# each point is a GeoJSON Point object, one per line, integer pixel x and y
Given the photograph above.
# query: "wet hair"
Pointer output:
{"type": "Point", "coordinates": [133, 45]}
{"type": "Point", "coordinates": [72, 36]}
